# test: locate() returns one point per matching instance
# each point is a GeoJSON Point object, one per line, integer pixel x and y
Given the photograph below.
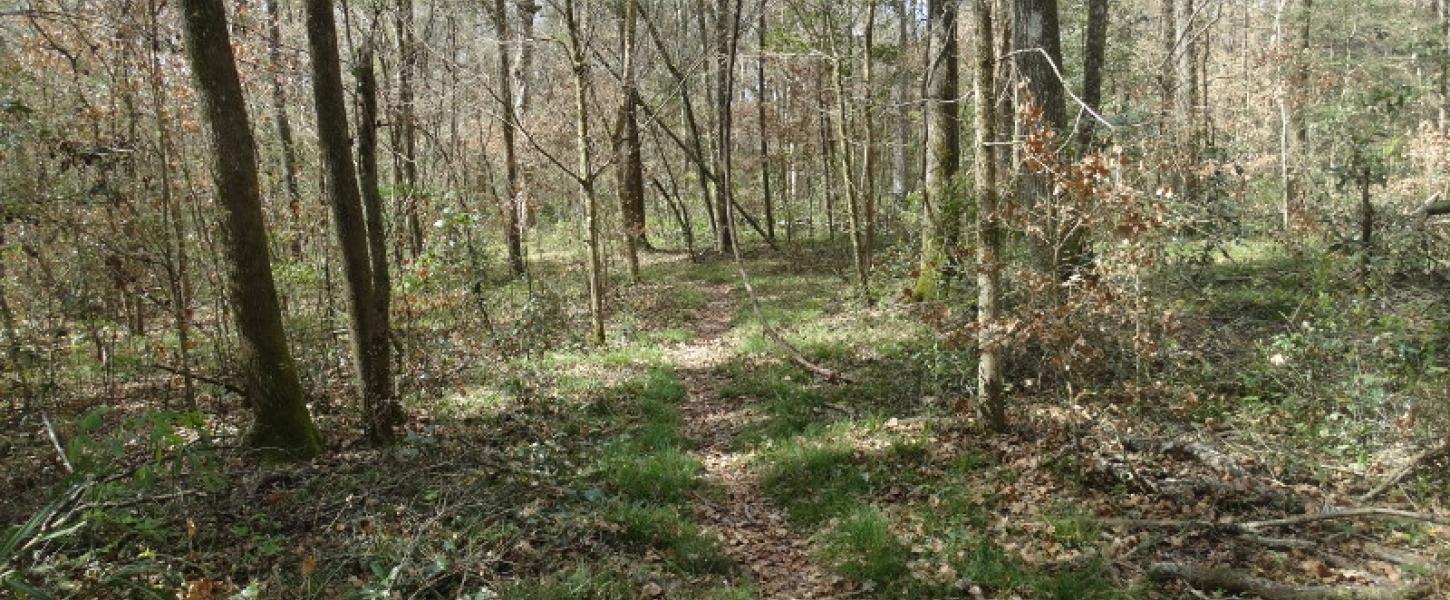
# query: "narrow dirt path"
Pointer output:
{"type": "Point", "coordinates": [753, 529]}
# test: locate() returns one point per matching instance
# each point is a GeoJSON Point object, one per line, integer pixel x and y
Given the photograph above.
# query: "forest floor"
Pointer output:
{"type": "Point", "coordinates": [690, 458]}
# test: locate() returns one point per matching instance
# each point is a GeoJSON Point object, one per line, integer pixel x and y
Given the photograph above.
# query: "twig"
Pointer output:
{"type": "Point", "coordinates": [55, 441]}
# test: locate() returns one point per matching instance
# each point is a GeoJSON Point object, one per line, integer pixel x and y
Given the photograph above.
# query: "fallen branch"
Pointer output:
{"type": "Point", "coordinates": [1251, 527]}
{"type": "Point", "coordinates": [1200, 452]}
{"type": "Point", "coordinates": [1237, 582]}
{"type": "Point", "coordinates": [226, 385]}
{"type": "Point", "coordinates": [1428, 456]}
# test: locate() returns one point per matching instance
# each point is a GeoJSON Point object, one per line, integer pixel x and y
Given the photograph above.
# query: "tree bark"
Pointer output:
{"type": "Point", "coordinates": [281, 426]}
{"type": "Point", "coordinates": [941, 206]}
{"type": "Point", "coordinates": [340, 178]}
{"type": "Point", "coordinates": [900, 170]}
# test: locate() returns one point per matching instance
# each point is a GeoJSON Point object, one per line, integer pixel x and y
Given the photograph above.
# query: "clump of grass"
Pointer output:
{"type": "Point", "coordinates": [666, 475]}
{"type": "Point", "coordinates": [861, 546]}
{"type": "Point", "coordinates": [1073, 530]}
{"type": "Point", "coordinates": [1084, 582]}
{"type": "Point", "coordinates": [682, 544]}
{"type": "Point", "coordinates": [813, 479]}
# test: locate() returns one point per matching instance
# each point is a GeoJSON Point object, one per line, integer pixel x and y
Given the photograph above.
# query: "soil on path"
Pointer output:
{"type": "Point", "coordinates": [753, 529]}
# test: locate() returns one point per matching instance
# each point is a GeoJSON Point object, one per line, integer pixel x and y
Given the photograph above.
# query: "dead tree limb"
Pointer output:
{"type": "Point", "coordinates": [1238, 582]}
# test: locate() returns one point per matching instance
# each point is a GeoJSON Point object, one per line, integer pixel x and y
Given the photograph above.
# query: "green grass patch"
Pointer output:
{"type": "Point", "coordinates": [814, 479]}
{"type": "Point", "coordinates": [684, 547]}
{"type": "Point", "coordinates": [860, 546]}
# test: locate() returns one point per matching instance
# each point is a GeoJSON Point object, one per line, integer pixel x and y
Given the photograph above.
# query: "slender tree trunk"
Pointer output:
{"type": "Point", "coordinates": [285, 141]}
{"type": "Point", "coordinates": [515, 218]}
{"type": "Point", "coordinates": [177, 266]}
{"type": "Point", "coordinates": [989, 229]}
{"type": "Point", "coordinates": [281, 426]}
{"type": "Point", "coordinates": [1293, 126]}
{"type": "Point", "coordinates": [764, 131]}
{"type": "Point", "coordinates": [868, 130]}
{"type": "Point", "coordinates": [899, 165]}
{"type": "Point", "coordinates": [575, 23]}
{"type": "Point", "coordinates": [844, 164]}
{"type": "Point", "coordinates": [942, 207]}
{"type": "Point", "coordinates": [407, 124]}
{"type": "Point", "coordinates": [379, 414]}
{"type": "Point", "coordinates": [367, 161]}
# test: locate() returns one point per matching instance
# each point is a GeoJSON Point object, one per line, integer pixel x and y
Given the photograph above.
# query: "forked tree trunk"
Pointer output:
{"type": "Point", "coordinates": [281, 426]}
{"type": "Point", "coordinates": [374, 382]}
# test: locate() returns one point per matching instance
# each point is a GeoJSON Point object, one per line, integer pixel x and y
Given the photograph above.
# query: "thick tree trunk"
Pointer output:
{"type": "Point", "coordinates": [942, 208]}
{"type": "Point", "coordinates": [989, 229]}
{"type": "Point", "coordinates": [379, 414]}
{"type": "Point", "coordinates": [1036, 39]}
{"type": "Point", "coordinates": [631, 163]}
{"type": "Point", "coordinates": [515, 218]}
{"type": "Point", "coordinates": [281, 425]}
{"type": "Point", "coordinates": [1095, 43]}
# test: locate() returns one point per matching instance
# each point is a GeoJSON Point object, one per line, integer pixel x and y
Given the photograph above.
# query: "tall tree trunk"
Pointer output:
{"type": "Point", "coordinates": [1293, 126]}
{"type": "Point", "coordinates": [868, 131]}
{"type": "Point", "coordinates": [379, 413]}
{"type": "Point", "coordinates": [1036, 39]}
{"type": "Point", "coordinates": [1095, 43]}
{"type": "Point", "coordinates": [760, 114]}
{"type": "Point", "coordinates": [900, 172]}
{"type": "Point", "coordinates": [177, 266]}
{"type": "Point", "coordinates": [631, 162]}
{"type": "Point", "coordinates": [1186, 101]}
{"type": "Point", "coordinates": [941, 208]}
{"type": "Point", "coordinates": [407, 124]}
{"type": "Point", "coordinates": [515, 219]}
{"type": "Point", "coordinates": [989, 229]}
{"type": "Point", "coordinates": [367, 160]}
{"type": "Point", "coordinates": [281, 426]}
{"type": "Point", "coordinates": [727, 31]}
{"type": "Point", "coordinates": [576, 26]}
{"type": "Point", "coordinates": [854, 212]}
{"type": "Point", "coordinates": [284, 124]}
